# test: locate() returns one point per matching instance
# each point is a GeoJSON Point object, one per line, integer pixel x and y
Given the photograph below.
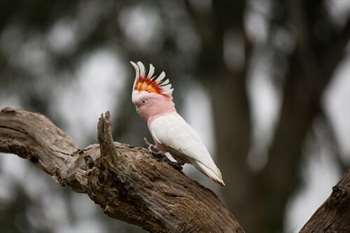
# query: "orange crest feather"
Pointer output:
{"type": "Point", "coordinates": [149, 83]}
{"type": "Point", "coordinates": [145, 84]}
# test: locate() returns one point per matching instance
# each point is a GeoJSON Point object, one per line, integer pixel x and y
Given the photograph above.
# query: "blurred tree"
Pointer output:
{"type": "Point", "coordinates": [13, 217]}
{"type": "Point", "coordinates": [219, 43]}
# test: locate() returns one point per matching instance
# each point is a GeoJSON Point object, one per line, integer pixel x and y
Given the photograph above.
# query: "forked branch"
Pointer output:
{"type": "Point", "coordinates": [131, 185]}
{"type": "Point", "coordinates": [127, 182]}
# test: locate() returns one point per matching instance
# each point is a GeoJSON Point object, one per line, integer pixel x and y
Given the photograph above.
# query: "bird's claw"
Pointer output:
{"type": "Point", "coordinates": [161, 156]}
{"type": "Point", "coordinates": [146, 141]}
{"type": "Point", "coordinates": [176, 165]}
{"type": "Point", "coordinates": [153, 148]}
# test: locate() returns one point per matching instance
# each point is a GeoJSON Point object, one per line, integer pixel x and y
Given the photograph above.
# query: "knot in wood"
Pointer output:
{"type": "Point", "coordinates": [8, 110]}
{"type": "Point", "coordinates": [339, 197]}
{"type": "Point", "coordinates": [89, 162]}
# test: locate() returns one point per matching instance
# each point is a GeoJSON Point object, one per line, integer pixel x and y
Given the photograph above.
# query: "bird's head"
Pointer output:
{"type": "Point", "coordinates": [152, 95]}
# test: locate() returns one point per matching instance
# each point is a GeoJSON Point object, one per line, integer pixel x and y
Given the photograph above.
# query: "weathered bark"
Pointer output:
{"type": "Point", "coordinates": [128, 182]}
{"type": "Point", "coordinates": [132, 185]}
{"type": "Point", "coordinates": [334, 214]}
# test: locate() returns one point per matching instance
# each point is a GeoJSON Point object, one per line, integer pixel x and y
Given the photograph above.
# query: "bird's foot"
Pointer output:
{"type": "Point", "coordinates": [160, 156]}
{"type": "Point", "coordinates": [178, 166]}
{"type": "Point", "coordinates": [153, 149]}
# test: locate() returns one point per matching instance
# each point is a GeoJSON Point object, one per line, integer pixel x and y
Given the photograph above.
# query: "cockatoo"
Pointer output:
{"type": "Point", "coordinates": [152, 96]}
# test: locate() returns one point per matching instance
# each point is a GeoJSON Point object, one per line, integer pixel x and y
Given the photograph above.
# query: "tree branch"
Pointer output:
{"type": "Point", "coordinates": [127, 182]}
{"type": "Point", "coordinates": [334, 214]}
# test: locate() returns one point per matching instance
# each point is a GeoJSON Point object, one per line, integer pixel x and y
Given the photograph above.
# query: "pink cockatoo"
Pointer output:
{"type": "Point", "coordinates": [152, 96]}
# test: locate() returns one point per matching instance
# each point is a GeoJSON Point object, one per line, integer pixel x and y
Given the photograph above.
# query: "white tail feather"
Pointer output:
{"type": "Point", "coordinates": [214, 175]}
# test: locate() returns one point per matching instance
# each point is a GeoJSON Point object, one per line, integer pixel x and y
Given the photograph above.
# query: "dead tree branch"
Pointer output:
{"type": "Point", "coordinates": [334, 214]}
{"type": "Point", "coordinates": [127, 182]}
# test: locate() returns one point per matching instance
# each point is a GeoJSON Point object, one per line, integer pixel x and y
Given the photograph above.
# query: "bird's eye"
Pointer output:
{"type": "Point", "coordinates": [143, 101]}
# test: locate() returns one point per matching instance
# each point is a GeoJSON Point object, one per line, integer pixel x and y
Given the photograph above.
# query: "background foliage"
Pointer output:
{"type": "Point", "coordinates": [261, 81]}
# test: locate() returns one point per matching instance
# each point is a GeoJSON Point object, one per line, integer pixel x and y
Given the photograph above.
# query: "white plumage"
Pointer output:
{"type": "Point", "coordinates": [152, 96]}
{"type": "Point", "coordinates": [172, 131]}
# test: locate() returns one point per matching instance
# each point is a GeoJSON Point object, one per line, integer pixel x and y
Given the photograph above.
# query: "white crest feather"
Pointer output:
{"type": "Point", "coordinates": [160, 77]}
{"type": "Point", "coordinates": [166, 82]}
{"type": "Point", "coordinates": [142, 69]}
{"type": "Point", "coordinates": [151, 71]}
{"type": "Point", "coordinates": [161, 81]}
{"type": "Point", "coordinates": [137, 73]}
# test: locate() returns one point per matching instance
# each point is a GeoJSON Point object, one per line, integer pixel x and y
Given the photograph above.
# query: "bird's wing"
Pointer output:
{"type": "Point", "coordinates": [171, 130]}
